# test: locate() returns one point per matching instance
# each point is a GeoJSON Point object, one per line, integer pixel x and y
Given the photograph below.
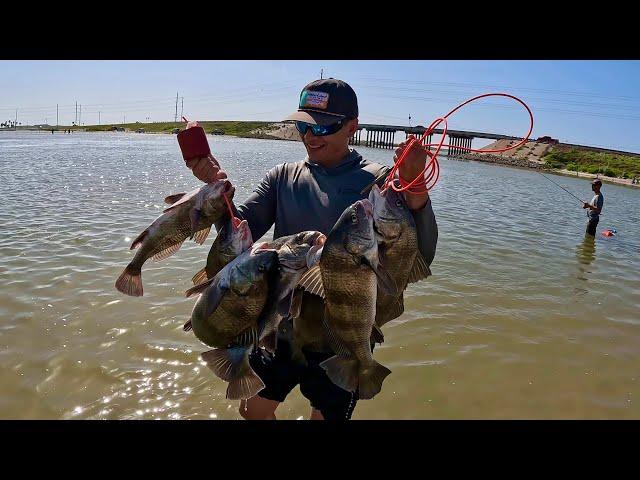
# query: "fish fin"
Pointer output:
{"type": "Point", "coordinates": [376, 334]}
{"type": "Point", "coordinates": [311, 281]}
{"type": "Point", "coordinates": [247, 338]}
{"type": "Point", "coordinates": [194, 216]}
{"type": "Point", "coordinates": [130, 282]}
{"type": "Point", "coordinates": [270, 341]}
{"type": "Point", "coordinates": [198, 288]}
{"type": "Point", "coordinates": [224, 362]}
{"type": "Point", "coordinates": [167, 252]}
{"type": "Point", "coordinates": [185, 197]}
{"type": "Point", "coordinates": [370, 380]}
{"type": "Point", "coordinates": [342, 371]}
{"type": "Point", "coordinates": [296, 302]}
{"type": "Point", "coordinates": [232, 365]}
{"type": "Point", "coordinates": [284, 305]}
{"type": "Point", "coordinates": [420, 270]}
{"type": "Point", "coordinates": [171, 199]}
{"type": "Point", "coordinates": [201, 235]}
{"type": "Point", "coordinates": [385, 280]}
{"type": "Point", "coordinates": [200, 277]}
{"type": "Point", "coordinates": [398, 307]}
{"type": "Point", "coordinates": [394, 312]}
{"type": "Point", "coordinates": [187, 326]}
{"type": "Point", "coordinates": [245, 387]}
{"type": "Point", "coordinates": [139, 239]}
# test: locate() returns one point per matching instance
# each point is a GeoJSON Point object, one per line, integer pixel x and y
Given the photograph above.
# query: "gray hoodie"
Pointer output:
{"type": "Point", "coordinates": [307, 196]}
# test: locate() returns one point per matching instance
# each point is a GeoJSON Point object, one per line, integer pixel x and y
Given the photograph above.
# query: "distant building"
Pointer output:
{"type": "Point", "coordinates": [217, 131]}
{"type": "Point", "coordinates": [547, 139]}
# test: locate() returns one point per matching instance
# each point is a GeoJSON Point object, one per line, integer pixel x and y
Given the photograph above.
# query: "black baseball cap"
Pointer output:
{"type": "Point", "coordinates": [597, 181]}
{"type": "Point", "coordinates": [323, 102]}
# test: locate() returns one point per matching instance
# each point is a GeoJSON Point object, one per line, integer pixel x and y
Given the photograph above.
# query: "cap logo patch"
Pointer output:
{"type": "Point", "coordinates": [312, 99]}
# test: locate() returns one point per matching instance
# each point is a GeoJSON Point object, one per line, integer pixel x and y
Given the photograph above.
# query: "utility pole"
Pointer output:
{"type": "Point", "coordinates": [57, 123]}
{"type": "Point", "coordinates": [98, 118]}
{"type": "Point", "coordinates": [16, 123]}
{"type": "Point", "coordinates": [182, 107]}
{"type": "Point", "coordinates": [175, 118]}
{"type": "Point", "coordinates": [321, 72]}
{"type": "Point", "coordinates": [80, 115]}
{"type": "Point", "coordinates": [76, 120]}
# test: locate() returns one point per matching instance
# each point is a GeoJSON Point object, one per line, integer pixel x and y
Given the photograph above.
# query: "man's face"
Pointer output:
{"type": "Point", "coordinates": [595, 187]}
{"type": "Point", "coordinates": [330, 148]}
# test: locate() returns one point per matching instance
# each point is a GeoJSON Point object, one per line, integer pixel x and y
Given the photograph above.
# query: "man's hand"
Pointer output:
{"type": "Point", "coordinates": [206, 169]}
{"type": "Point", "coordinates": [585, 205]}
{"type": "Point", "coordinates": [411, 167]}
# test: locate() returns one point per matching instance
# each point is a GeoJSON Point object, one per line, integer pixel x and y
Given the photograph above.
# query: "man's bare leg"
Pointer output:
{"type": "Point", "coordinates": [258, 408]}
{"type": "Point", "coordinates": [316, 414]}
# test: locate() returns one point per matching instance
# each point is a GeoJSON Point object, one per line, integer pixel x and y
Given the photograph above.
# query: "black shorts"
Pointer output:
{"type": "Point", "coordinates": [591, 226]}
{"type": "Point", "coordinates": [281, 374]}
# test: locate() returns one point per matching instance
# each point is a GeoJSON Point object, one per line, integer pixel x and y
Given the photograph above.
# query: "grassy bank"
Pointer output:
{"type": "Point", "coordinates": [610, 165]}
{"type": "Point", "coordinates": [238, 128]}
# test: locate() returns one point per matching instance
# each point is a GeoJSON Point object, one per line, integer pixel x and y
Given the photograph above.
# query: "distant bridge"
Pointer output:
{"type": "Point", "coordinates": [383, 136]}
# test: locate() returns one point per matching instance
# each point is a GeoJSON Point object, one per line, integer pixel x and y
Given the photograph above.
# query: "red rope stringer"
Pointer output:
{"type": "Point", "coordinates": [426, 180]}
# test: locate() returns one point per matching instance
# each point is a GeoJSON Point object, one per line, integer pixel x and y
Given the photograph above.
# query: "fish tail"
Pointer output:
{"type": "Point", "coordinates": [370, 379]}
{"type": "Point", "coordinates": [232, 365]}
{"type": "Point", "coordinates": [342, 371]}
{"type": "Point", "coordinates": [130, 281]}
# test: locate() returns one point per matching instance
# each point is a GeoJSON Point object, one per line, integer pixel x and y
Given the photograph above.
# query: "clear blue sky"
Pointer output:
{"type": "Point", "coordinates": [586, 102]}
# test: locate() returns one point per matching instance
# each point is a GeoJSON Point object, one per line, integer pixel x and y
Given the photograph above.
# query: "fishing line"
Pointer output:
{"type": "Point", "coordinates": [581, 201]}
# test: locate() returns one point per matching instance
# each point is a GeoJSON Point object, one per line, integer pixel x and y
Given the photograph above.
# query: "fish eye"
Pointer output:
{"type": "Point", "coordinates": [261, 268]}
{"type": "Point", "coordinates": [354, 217]}
{"type": "Point", "coordinates": [398, 203]}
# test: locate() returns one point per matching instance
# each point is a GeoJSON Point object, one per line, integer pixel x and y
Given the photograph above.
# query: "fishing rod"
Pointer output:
{"type": "Point", "coordinates": [581, 201]}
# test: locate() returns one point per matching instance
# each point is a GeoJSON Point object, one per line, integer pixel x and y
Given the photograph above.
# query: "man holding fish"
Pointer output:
{"type": "Point", "coordinates": [327, 192]}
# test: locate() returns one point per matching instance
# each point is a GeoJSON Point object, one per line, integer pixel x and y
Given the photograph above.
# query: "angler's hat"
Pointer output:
{"type": "Point", "coordinates": [324, 102]}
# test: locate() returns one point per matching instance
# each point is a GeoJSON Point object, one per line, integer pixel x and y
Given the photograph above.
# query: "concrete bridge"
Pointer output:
{"type": "Point", "coordinates": [383, 136]}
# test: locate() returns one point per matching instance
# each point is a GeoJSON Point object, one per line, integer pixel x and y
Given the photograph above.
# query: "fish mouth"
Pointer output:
{"type": "Point", "coordinates": [362, 240]}
{"type": "Point", "coordinates": [367, 207]}
{"type": "Point", "coordinates": [386, 220]}
{"type": "Point", "coordinates": [228, 188]}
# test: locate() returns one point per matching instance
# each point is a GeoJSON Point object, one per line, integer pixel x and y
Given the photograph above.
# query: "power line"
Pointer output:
{"type": "Point", "coordinates": [454, 94]}
{"type": "Point", "coordinates": [507, 87]}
